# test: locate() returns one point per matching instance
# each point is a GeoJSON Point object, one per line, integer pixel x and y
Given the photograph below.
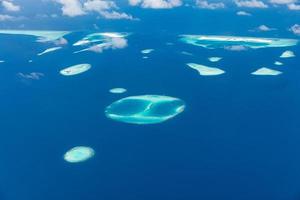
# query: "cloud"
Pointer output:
{"type": "Point", "coordinates": [118, 43]}
{"type": "Point", "coordinates": [10, 18]}
{"type": "Point", "coordinates": [265, 28]}
{"type": "Point", "coordinates": [262, 28]}
{"type": "Point", "coordinates": [71, 8]}
{"type": "Point", "coordinates": [31, 76]}
{"type": "Point", "coordinates": [243, 13]}
{"type": "Point", "coordinates": [116, 15]}
{"type": "Point", "coordinates": [156, 4]}
{"type": "Point", "coordinates": [112, 43]}
{"type": "Point", "coordinates": [6, 18]}
{"type": "Point", "coordinates": [282, 1]}
{"type": "Point", "coordinates": [105, 8]}
{"type": "Point", "coordinates": [293, 6]}
{"type": "Point", "coordinates": [251, 4]}
{"type": "Point", "coordinates": [61, 41]}
{"type": "Point", "coordinates": [206, 5]}
{"type": "Point", "coordinates": [115, 43]}
{"type": "Point", "coordinates": [10, 6]}
{"type": "Point", "coordinates": [295, 29]}
{"type": "Point", "coordinates": [99, 5]}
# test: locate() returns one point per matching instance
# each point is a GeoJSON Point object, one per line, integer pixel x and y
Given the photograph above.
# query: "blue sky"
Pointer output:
{"type": "Point", "coordinates": [89, 14]}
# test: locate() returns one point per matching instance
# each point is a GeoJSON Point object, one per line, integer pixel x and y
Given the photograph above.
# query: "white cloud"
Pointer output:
{"type": "Point", "coordinates": [105, 8]}
{"type": "Point", "coordinates": [61, 41]}
{"type": "Point", "coordinates": [212, 6]}
{"type": "Point", "coordinates": [265, 28]}
{"type": "Point", "coordinates": [10, 18]}
{"type": "Point", "coordinates": [71, 8]}
{"type": "Point", "coordinates": [118, 43]}
{"type": "Point", "coordinates": [295, 29]}
{"type": "Point", "coordinates": [156, 4]}
{"type": "Point", "coordinates": [115, 43]}
{"type": "Point", "coordinates": [262, 28]}
{"type": "Point", "coordinates": [282, 1]}
{"type": "Point", "coordinates": [116, 15]}
{"type": "Point", "coordinates": [251, 4]}
{"type": "Point", "coordinates": [243, 13]}
{"type": "Point", "coordinates": [10, 6]}
{"type": "Point", "coordinates": [99, 5]}
{"type": "Point", "coordinates": [6, 18]}
{"type": "Point", "coordinates": [293, 6]}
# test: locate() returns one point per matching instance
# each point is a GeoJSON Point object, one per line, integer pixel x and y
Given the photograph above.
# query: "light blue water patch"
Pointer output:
{"type": "Point", "coordinates": [213, 42]}
{"type": "Point", "coordinates": [205, 70]}
{"type": "Point", "coordinates": [117, 90]}
{"type": "Point", "coordinates": [187, 53]}
{"type": "Point", "coordinates": [145, 109]}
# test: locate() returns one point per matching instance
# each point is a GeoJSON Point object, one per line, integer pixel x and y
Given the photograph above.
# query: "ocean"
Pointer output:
{"type": "Point", "coordinates": [237, 138]}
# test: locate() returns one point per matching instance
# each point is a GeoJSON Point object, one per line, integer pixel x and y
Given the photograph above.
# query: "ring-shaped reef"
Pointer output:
{"type": "Point", "coordinates": [214, 41]}
{"type": "Point", "coordinates": [79, 154]}
{"type": "Point", "coordinates": [145, 109]}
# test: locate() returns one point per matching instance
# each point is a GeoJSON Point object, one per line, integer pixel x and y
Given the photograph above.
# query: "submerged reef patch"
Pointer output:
{"type": "Point", "coordinates": [288, 54]}
{"type": "Point", "coordinates": [278, 63]}
{"type": "Point", "coordinates": [264, 71]}
{"type": "Point", "coordinates": [205, 70]}
{"type": "Point", "coordinates": [147, 51]}
{"type": "Point", "coordinates": [75, 69]}
{"type": "Point", "coordinates": [49, 50]}
{"type": "Point", "coordinates": [215, 59]}
{"type": "Point", "coordinates": [187, 53]}
{"type": "Point", "coordinates": [145, 109]}
{"type": "Point", "coordinates": [79, 154]}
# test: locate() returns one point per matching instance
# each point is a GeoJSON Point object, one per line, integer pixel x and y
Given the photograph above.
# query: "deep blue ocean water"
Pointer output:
{"type": "Point", "coordinates": [237, 139]}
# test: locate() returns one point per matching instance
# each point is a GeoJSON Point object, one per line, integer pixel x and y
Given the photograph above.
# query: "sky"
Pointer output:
{"type": "Point", "coordinates": [95, 14]}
